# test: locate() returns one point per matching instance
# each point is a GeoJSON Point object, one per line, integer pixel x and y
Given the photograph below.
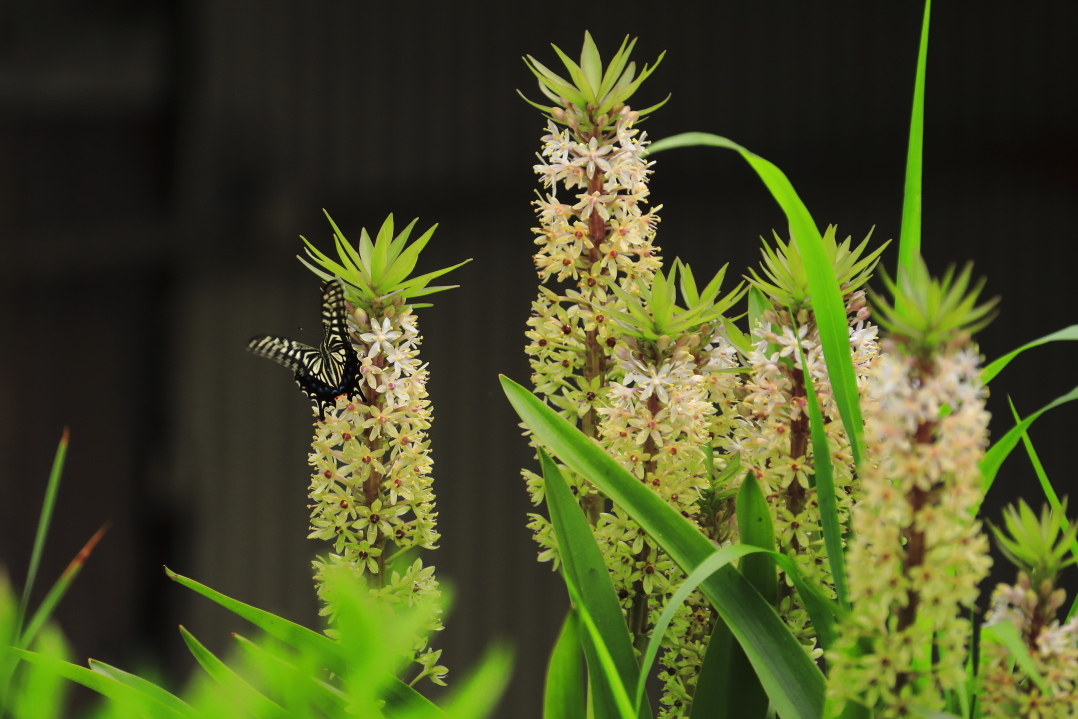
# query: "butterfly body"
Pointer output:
{"type": "Point", "coordinates": [324, 372]}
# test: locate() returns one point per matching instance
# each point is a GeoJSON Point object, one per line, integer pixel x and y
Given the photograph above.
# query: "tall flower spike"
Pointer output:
{"type": "Point", "coordinates": [771, 437]}
{"type": "Point", "coordinates": [371, 493]}
{"type": "Point", "coordinates": [1039, 549]}
{"type": "Point", "coordinates": [917, 554]}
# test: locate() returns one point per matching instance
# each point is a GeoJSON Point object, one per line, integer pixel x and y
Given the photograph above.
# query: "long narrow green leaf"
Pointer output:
{"type": "Point", "coordinates": [826, 498]}
{"type": "Point", "coordinates": [1007, 634]}
{"type": "Point", "coordinates": [478, 695]}
{"type": "Point", "coordinates": [128, 696]}
{"type": "Point", "coordinates": [58, 590]}
{"type": "Point", "coordinates": [235, 685]}
{"type": "Point", "coordinates": [722, 674]}
{"type": "Point", "coordinates": [563, 694]}
{"type": "Point", "coordinates": [586, 576]}
{"type": "Point", "coordinates": [999, 451]}
{"type": "Point", "coordinates": [826, 297]}
{"type": "Point", "coordinates": [44, 520]}
{"type": "Point", "coordinates": [794, 684]}
{"type": "Point", "coordinates": [995, 367]}
{"type": "Point", "coordinates": [1049, 492]}
{"type": "Point", "coordinates": [303, 639]}
{"type": "Point", "coordinates": [144, 686]}
{"type": "Point", "coordinates": [909, 242]}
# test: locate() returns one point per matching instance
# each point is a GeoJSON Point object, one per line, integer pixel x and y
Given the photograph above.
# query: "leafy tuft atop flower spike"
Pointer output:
{"type": "Point", "coordinates": [1037, 547]}
{"type": "Point", "coordinates": [380, 269]}
{"type": "Point", "coordinates": [590, 101]}
{"type": "Point", "coordinates": [787, 281]}
{"type": "Point", "coordinates": [655, 314]}
{"type": "Point", "coordinates": [930, 314]}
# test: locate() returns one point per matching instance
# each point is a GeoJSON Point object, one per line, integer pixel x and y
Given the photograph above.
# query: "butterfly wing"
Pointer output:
{"type": "Point", "coordinates": [324, 373]}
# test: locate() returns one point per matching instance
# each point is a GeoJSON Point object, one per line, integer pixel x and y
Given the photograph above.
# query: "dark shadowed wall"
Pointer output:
{"type": "Point", "coordinates": [158, 161]}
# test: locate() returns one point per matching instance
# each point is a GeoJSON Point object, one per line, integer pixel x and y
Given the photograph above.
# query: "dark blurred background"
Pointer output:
{"type": "Point", "coordinates": [158, 161]}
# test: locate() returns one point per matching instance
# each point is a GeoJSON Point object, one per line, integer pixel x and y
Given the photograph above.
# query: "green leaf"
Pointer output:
{"type": "Point", "coordinates": [615, 68]}
{"type": "Point", "coordinates": [586, 576]}
{"type": "Point", "coordinates": [563, 695]}
{"type": "Point", "coordinates": [478, 695]}
{"type": "Point", "coordinates": [145, 686]}
{"type": "Point", "coordinates": [403, 265]}
{"type": "Point", "coordinates": [793, 683]}
{"type": "Point", "coordinates": [989, 372]}
{"type": "Point", "coordinates": [233, 684]}
{"type": "Point", "coordinates": [52, 489]}
{"type": "Point", "coordinates": [999, 451]}
{"type": "Point", "coordinates": [58, 590]}
{"type": "Point", "coordinates": [576, 75]}
{"type": "Point", "coordinates": [138, 702]}
{"type": "Point", "coordinates": [591, 64]}
{"type": "Point", "coordinates": [301, 638]}
{"type": "Point", "coordinates": [909, 243]}
{"type": "Point", "coordinates": [1007, 634]}
{"type": "Point", "coordinates": [826, 497]}
{"type": "Point", "coordinates": [827, 302]}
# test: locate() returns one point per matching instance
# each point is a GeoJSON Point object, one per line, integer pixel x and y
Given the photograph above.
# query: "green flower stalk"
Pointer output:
{"type": "Point", "coordinates": [771, 436]}
{"type": "Point", "coordinates": [1039, 549]}
{"type": "Point", "coordinates": [371, 493]}
{"type": "Point", "coordinates": [918, 553]}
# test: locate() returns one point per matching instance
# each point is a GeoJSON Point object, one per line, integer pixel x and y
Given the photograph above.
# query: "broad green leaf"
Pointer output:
{"type": "Point", "coordinates": [827, 302]}
{"type": "Point", "coordinates": [994, 368]}
{"type": "Point", "coordinates": [794, 684]}
{"type": "Point", "coordinates": [586, 576]}
{"type": "Point", "coordinates": [563, 695]}
{"type": "Point", "coordinates": [909, 244]}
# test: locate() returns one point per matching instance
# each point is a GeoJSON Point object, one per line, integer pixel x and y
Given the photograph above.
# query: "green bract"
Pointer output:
{"type": "Point", "coordinates": [1037, 547]}
{"type": "Point", "coordinates": [788, 284]}
{"type": "Point", "coordinates": [654, 313]}
{"type": "Point", "coordinates": [929, 314]}
{"type": "Point", "coordinates": [380, 269]}
{"type": "Point", "coordinates": [593, 95]}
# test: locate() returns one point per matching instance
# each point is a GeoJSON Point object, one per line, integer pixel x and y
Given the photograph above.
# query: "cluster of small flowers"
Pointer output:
{"type": "Point", "coordinates": [919, 554]}
{"type": "Point", "coordinates": [1053, 648]}
{"type": "Point", "coordinates": [605, 234]}
{"type": "Point", "coordinates": [371, 483]}
{"type": "Point", "coordinates": [772, 437]}
{"type": "Point", "coordinates": [658, 426]}
{"type": "Point", "coordinates": [611, 178]}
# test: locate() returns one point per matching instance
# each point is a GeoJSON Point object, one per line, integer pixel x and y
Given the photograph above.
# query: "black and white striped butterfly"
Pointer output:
{"type": "Point", "coordinates": [323, 373]}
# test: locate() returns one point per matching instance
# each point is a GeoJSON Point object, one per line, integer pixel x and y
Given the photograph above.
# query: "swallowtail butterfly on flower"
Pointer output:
{"type": "Point", "coordinates": [323, 373]}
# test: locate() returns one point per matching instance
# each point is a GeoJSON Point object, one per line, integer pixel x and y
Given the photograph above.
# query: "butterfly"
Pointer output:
{"type": "Point", "coordinates": [325, 372]}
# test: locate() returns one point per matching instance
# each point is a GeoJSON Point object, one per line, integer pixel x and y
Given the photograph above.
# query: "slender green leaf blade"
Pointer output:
{"type": "Point", "coordinates": [909, 243]}
{"type": "Point", "coordinates": [563, 695]}
{"type": "Point", "coordinates": [586, 574]}
{"type": "Point", "coordinates": [995, 367]}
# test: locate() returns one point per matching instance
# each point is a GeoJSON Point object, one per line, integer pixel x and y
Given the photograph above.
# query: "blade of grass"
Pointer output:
{"type": "Point", "coordinates": [794, 684]}
{"type": "Point", "coordinates": [47, 507]}
{"type": "Point", "coordinates": [826, 297]}
{"type": "Point", "coordinates": [144, 686]}
{"type": "Point", "coordinates": [909, 242]}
